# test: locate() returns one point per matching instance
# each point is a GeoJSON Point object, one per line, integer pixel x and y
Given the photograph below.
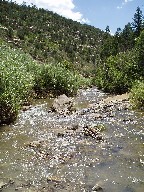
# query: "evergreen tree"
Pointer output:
{"type": "Point", "coordinates": [107, 46]}
{"type": "Point", "coordinates": [140, 52]}
{"type": "Point", "coordinates": [117, 42]}
{"type": "Point", "coordinates": [107, 30]}
{"type": "Point", "coordinates": [138, 22]}
{"type": "Point", "coordinates": [127, 37]}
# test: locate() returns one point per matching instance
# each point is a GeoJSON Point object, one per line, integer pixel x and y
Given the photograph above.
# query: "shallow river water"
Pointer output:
{"type": "Point", "coordinates": [42, 152]}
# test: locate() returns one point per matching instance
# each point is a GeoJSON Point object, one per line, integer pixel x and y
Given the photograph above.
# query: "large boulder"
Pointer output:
{"type": "Point", "coordinates": [63, 105]}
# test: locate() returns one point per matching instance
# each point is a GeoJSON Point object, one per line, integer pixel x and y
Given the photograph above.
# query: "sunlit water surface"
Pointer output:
{"type": "Point", "coordinates": [116, 164]}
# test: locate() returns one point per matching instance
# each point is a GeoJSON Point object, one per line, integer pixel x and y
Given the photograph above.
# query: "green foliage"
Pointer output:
{"type": "Point", "coordinates": [48, 36]}
{"type": "Point", "coordinates": [127, 38]}
{"type": "Point", "coordinates": [137, 95]}
{"type": "Point", "coordinates": [57, 79]}
{"type": "Point", "coordinates": [140, 53]}
{"type": "Point", "coordinates": [15, 82]}
{"type": "Point", "coordinates": [122, 40]}
{"type": "Point", "coordinates": [122, 57]}
{"type": "Point", "coordinates": [138, 22]}
{"type": "Point", "coordinates": [20, 76]}
{"type": "Point", "coordinates": [118, 73]}
{"type": "Point", "coordinates": [107, 47]}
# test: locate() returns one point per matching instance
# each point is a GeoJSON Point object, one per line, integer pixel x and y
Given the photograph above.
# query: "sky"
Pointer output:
{"type": "Point", "coordinates": [98, 13]}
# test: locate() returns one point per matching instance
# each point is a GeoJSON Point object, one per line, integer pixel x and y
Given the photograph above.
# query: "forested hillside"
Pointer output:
{"type": "Point", "coordinates": [46, 35]}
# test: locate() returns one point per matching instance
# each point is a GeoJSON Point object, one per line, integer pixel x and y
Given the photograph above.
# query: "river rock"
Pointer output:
{"type": "Point", "coordinates": [73, 127]}
{"type": "Point", "coordinates": [25, 108]}
{"type": "Point", "coordinates": [63, 105]}
{"type": "Point", "coordinates": [2, 185]}
{"type": "Point", "coordinates": [96, 116]}
{"type": "Point", "coordinates": [5, 184]}
{"type": "Point", "coordinates": [35, 144]}
{"type": "Point", "coordinates": [92, 132]}
{"type": "Point", "coordinates": [54, 179]}
{"type": "Point", "coordinates": [97, 188]}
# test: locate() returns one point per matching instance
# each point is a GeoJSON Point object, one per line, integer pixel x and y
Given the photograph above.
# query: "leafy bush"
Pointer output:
{"type": "Point", "coordinates": [20, 75]}
{"type": "Point", "coordinates": [137, 95]}
{"type": "Point", "coordinates": [118, 73]}
{"type": "Point", "coordinates": [57, 79]}
{"type": "Point", "coordinates": [15, 82]}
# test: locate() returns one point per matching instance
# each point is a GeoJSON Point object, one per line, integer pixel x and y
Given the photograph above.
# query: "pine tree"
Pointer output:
{"type": "Point", "coordinates": [138, 22]}
{"type": "Point", "coordinates": [107, 30]}
{"type": "Point", "coordinates": [117, 41]}
{"type": "Point", "coordinates": [127, 37]}
{"type": "Point", "coordinates": [107, 47]}
{"type": "Point", "coordinates": [140, 52]}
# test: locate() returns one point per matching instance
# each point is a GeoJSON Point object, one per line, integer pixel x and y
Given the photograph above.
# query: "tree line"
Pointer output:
{"type": "Point", "coordinates": [123, 39]}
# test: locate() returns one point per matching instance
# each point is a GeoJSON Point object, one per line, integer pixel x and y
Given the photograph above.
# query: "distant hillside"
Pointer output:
{"type": "Point", "coordinates": [47, 36]}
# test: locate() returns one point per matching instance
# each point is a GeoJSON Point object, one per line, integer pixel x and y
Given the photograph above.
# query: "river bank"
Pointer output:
{"type": "Point", "coordinates": [98, 147]}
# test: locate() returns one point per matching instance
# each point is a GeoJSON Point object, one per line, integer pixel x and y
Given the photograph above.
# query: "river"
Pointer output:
{"type": "Point", "coordinates": [46, 152]}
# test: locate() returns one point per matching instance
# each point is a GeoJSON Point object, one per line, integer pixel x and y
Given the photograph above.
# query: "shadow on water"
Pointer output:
{"type": "Point", "coordinates": [40, 152]}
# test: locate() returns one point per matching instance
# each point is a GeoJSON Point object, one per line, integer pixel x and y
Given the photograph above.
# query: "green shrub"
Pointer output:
{"type": "Point", "coordinates": [137, 95]}
{"type": "Point", "coordinates": [15, 82]}
{"type": "Point", "coordinates": [57, 79]}
{"type": "Point", "coordinates": [20, 75]}
{"type": "Point", "coordinates": [118, 73]}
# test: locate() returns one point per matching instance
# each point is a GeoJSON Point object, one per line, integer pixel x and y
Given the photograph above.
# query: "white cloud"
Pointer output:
{"type": "Point", "coordinates": [62, 7]}
{"type": "Point", "coordinates": [119, 7]}
{"type": "Point", "coordinates": [124, 3]}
